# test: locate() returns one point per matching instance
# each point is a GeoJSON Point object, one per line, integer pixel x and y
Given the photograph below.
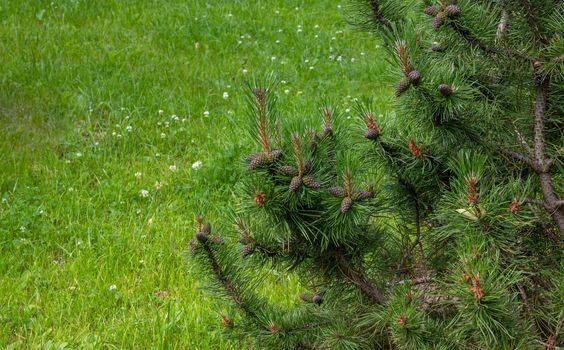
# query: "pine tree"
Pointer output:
{"type": "Point", "coordinates": [438, 226]}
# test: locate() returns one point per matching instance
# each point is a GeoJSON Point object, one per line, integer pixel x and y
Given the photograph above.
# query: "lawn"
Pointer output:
{"type": "Point", "coordinates": [121, 119]}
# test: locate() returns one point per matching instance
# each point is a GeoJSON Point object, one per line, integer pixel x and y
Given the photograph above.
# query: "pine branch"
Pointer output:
{"type": "Point", "coordinates": [502, 26]}
{"type": "Point", "coordinates": [542, 164]}
{"type": "Point", "coordinates": [473, 41]}
{"type": "Point", "coordinates": [225, 281]}
{"type": "Point", "coordinates": [528, 11]}
{"type": "Point", "coordinates": [359, 277]}
{"type": "Point", "coordinates": [377, 15]}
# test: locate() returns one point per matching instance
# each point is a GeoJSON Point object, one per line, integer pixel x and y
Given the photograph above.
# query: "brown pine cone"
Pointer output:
{"type": "Point", "coordinates": [439, 20]}
{"type": "Point", "coordinates": [431, 11]}
{"type": "Point", "coordinates": [452, 10]}
{"type": "Point", "coordinates": [414, 76]}
{"type": "Point", "coordinates": [295, 184]}
{"type": "Point", "coordinates": [248, 250]}
{"type": "Point", "coordinates": [309, 181]}
{"type": "Point", "coordinates": [337, 191]}
{"type": "Point", "coordinates": [288, 170]}
{"type": "Point", "coordinates": [371, 134]}
{"type": "Point", "coordinates": [402, 86]}
{"type": "Point", "coordinates": [446, 90]}
{"type": "Point", "coordinates": [346, 204]}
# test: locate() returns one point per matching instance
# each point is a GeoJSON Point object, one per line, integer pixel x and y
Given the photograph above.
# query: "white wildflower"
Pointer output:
{"type": "Point", "coordinates": [144, 193]}
{"type": "Point", "coordinates": [197, 165]}
{"type": "Point", "coordinates": [112, 287]}
{"type": "Point", "coordinates": [172, 168]}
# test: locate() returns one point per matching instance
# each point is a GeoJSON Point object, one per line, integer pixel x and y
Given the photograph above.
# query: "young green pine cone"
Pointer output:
{"type": "Point", "coordinates": [414, 76]}
{"type": "Point", "coordinates": [248, 250]}
{"type": "Point", "coordinates": [452, 10]}
{"type": "Point", "coordinates": [288, 170]}
{"type": "Point", "coordinates": [439, 20]}
{"type": "Point", "coordinates": [371, 134]}
{"type": "Point", "coordinates": [446, 90]}
{"type": "Point", "coordinates": [295, 184]}
{"type": "Point", "coordinates": [346, 204]}
{"type": "Point", "coordinates": [337, 191]}
{"type": "Point", "coordinates": [309, 181]}
{"type": "Point", "coordinates": [431, 11]}
{"type": "Point", "coordinates": [402, 86]}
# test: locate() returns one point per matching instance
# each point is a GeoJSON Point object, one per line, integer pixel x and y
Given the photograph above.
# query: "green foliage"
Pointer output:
{"type": "Point", "coordinates": [438, 226]}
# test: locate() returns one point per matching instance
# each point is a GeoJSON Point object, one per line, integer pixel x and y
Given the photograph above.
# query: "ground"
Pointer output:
{"type": "Point", "coordinates": [121, 119]}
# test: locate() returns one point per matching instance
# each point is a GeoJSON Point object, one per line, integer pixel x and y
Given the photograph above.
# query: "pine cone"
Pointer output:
{"type": "Point", "coordinates": [346, 204]}
{"type": "Point", "coordinates": [337, 191]}
{"type": "Point", "coordinates": [452, 10]}
{"type": "Point", "coordinates": [288, 170]}
{"type": "Point", "coordinates": [414, 76]}
{"type": "Point", "coordinates": [309, 181]}
{"type": "Point", "coordinates": [431, 11]}
{"type": "Point", "coordinates": [402, 86]}
{"type": "Point", "coordinates": [371, 134]}
{"type": "Point", "coordinates": [248, 250]}
{"type": "Point", "coordinates": [308, 166]}
{"type": "Point", "coordinates": [317, 299]}
{"type": "Point", "coordinates": [446, 90]}
{"type": "Point", "coordinates": [276, 154]}
{"type": "Point", "coordinates": [201, 237]}
{"type": "Point", "coordinates": [295, 184]}
{"type": "Point", "coordinates": [207, 228]}
{"type": "Point", "coordinates": [255, 160]}
{"type": "Point", "coordinates": [362, 195]}
{"type": "Point", "coordinates": [436, 47]}
{"type": "Point", "coordinates": [439, 20]}
{"type": "Point", "coordinates": [328, 131]}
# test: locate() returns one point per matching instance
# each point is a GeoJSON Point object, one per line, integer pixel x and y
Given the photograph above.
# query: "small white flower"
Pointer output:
{"type": "Point", "coordinates": [311, 67]}
{"type": "Point", "coordinates": [197, 165]}
{"type": "Point", "coordinates": [138, 174]}
{"type": "Point", "coordinates": [287, 91]}
{"type": "Point", "coordinates": [229, 15]}
{"type": "Point", "coordinates": [316, 36]}
{"type": "Point", "coordinates": [245, 71]}
{"type": "Point", "coordinates": [362, 54]}
{"type": "Point", "coordinates": [158, 185]}
{"type": "Point", "coordinates": [129, 128]}
{"type": "Point", "coordinates": [22, 228]}
{"type": "Point", "coordinates": [282, 81]}
{"type": "Point", "coordinates": [172, 168]}
{"type": "Point", "coordinates": [348, 110]}
{"type": "Point", "coordinates": [352, 60]}
{"type": "Point", "coordinates": [127, 117]}
{"type": "Point", "coordinates": [300, 30]}
{"type": "Point", "coordinates": [277, 12]}
{"type": "Point", "coordinates": [78, 154]}
{"type": "Point", "coordinates": [316, 26]}
{"type": "Point", "coordinates": [144, 193]}
{"type": "Point", "coordinates": [96, 143]}
{"type": "Point", "coordinates": [280, 30]}
{"type": "Point", "coordinates": [239, 42]}
{"type": "Point", "coordinates": [184, 120]}
{"type": "Point", "coordinates": [161, 111]}
{"type": "Point", "coordinates": [118, 126]}
{"type": "Point", "coordinates": [339, 59]}
{"type": "Point", "coordinates": [306, 61]}
{"type": "Point", "coordinates": [138, 211]}
{"type": "Point", "coordinates": [225, 95]}
{"type": "Point", "coordinates": [163, 135]}
{"type": "Point", "coordinates": [206, 113]}
{"type": "Point", "coordinates": [277, 41]}
{"type": "Point", "coordinates": [159, 123]}
{"type": "Point", "coordinates": [273, 58]}
{"type": "Point", "coordinates": [112, 287]}
{"type": "Point", "coordinates": [118, 136]}
{"type": "Point", "coordinates": [150, 221]}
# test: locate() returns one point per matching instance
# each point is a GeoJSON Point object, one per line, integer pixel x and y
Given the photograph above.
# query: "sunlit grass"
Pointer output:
{"type": "Point", "coordinates": [104, 108]}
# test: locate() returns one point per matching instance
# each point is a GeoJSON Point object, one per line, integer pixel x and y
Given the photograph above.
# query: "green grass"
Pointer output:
{"type": "Point", "coordinates": [74, 75]}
